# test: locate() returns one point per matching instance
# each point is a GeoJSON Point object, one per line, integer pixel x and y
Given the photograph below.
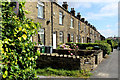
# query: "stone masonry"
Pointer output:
{"type": "Point", "coordinates": [69, 62]}
{"type": "Point", "coordinates": [51, 15]}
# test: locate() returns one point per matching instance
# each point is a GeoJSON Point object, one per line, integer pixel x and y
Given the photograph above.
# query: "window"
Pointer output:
{"type": "Point", "coordinates": [61, 37]}
{"type": "Point", "coordinates": [72, 37]}
{"type": "Point", "coordinates": [90, 31]}
{"type": "Point", "coordinates": [82, 39]}
{"type": "Point", "coordinates": [60, 18]}
{"type": "Point", "coordinates": [76, 39]}
{"type": "Point", "coordinates": [79, 25]}
{"type": "Point", "coordinates": [71, 23]}
{"type": "Point", "coordinates": [68, 38]}
{"type": "Point", "coordinates": [93, 32]}
{"type": "Point", "coordinates": [84, 28]}
{"type": "Point", "coordinates": [40, 6]}
{"type": "Point", "coordinates": [41, 37]}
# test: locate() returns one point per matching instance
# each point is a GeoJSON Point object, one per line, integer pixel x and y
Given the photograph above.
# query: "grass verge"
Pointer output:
{"type": "Point", "coordinates": [61, 72]}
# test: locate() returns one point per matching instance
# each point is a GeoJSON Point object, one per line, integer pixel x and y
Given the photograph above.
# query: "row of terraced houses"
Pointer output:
{"type": "Point", "coordinates": [58, 25]}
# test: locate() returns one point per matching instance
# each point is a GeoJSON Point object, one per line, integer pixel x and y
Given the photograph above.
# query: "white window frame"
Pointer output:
{"type": "Point", "coordinates": [76, 39]}
{"type": "Point", "coordinates": [82, 40]}
{"type": "Point", "coordinates": [60, 18]}
{"type": "Point", "coordinates": [72, 37]}
{"type": "Point", "coordinates": [41, 32]}
{"type": "Point", "coordinates": [72, 23]}
{"type": "Point", "coordinates": [79, 26]}
{"type": "Point", "coordinates": [61, 37]}
{"type": "Point", "coordinates": [84, 28]}
{"type": "Point", "coordinates": [40, 7]}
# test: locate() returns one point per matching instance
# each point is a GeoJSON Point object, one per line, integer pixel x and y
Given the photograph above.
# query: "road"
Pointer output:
{"type": "Point", "coordinates": [108, 68]}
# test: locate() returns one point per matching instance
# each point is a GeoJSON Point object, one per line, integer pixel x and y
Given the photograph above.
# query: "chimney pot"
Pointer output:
{"type": "Point", "coordinates": [65, 5]}
{"type": "Point", "coordinates": [86, 22]}
{"type": "Point", "coordinates": [83, 19]}
{"type": "Point", "coordinates": [78, 15]}
{"type": "Point", "coordinates": [72, 11]}
{"type": "Point", "coordinates": [91, 26]}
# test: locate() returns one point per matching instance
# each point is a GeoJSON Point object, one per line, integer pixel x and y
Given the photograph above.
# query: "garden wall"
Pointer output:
{"type": "Point", "coordinates": [63, 61]}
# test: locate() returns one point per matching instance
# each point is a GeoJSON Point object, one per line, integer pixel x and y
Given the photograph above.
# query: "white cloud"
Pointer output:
{"type": "Point", "coordinates": [113, 7]}
{"type": "Point", "coordinates": [79, 4]}
{"type": "Point", "coordinates": [108, 26]}
{"type": "Point", "coordinates": [109, 10]}
{"type": "Point", "coordinates": [109, 32]}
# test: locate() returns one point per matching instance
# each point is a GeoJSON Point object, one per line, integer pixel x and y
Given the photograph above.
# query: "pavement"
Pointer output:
{"type": "Point", "coordinates": [108, 68]}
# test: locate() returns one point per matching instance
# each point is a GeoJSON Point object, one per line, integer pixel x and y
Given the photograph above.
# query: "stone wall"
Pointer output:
{"type": "Point", "coordinates": [65, 27]}
{"type": "Point", "coordinates": [33, 14]}
{"type": "Point", "coordinates": [73, 62]}
{"type": "Point", "coordinates": [98, 57]}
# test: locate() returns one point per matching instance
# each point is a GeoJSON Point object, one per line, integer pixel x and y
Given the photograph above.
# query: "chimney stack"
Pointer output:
{"type": "Point", "coordinates": [65, 5]}
{"type": "Point", "coordinates": [83, 19]}
{"type": "Point", "coordinates": [78, 15]}
{"type": "Point", "coordinates": [91, 26]}
{"type": "Point", "coordinates": [72, 11]}
{"type": "Point", "coordinates": [86, 22]}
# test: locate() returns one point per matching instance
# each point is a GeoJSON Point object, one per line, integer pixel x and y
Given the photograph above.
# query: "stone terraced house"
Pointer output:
{"type": "Point", "coordinates": [58, 25]}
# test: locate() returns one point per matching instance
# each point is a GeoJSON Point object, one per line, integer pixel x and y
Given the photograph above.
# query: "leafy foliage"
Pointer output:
{"type": "Point", "coordinates": [18, 56]}
{"type": "Point", "coordinates": [89, 48]}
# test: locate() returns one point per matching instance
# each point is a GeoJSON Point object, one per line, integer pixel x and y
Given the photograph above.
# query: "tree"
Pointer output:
{"type": "Point", "coordinates": [18, 55]}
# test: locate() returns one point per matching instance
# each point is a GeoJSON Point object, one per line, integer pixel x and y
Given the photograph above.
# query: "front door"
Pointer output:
{"type": "Point", "coordinates": [68, 38]}
{"type": "Point", "coordinates": [54, 40]}
{"type": "Point", "coordinates": [82, 39]}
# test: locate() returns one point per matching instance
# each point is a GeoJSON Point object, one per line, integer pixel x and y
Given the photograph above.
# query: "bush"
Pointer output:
{"type": "Point", "coordinates": [89, 48]}
{"type": "Point", "coordinates": [18, 57]}
{"type": "Point", "coordinates": [106, 48]}
{"type": "Point", "coordinates": [101, 45]}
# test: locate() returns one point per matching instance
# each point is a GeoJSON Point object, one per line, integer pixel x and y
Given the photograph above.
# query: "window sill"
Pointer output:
{"type": "Point", "coordinates": [41, 18]}
{"type": "Point", "coordinates": [61, 24]}
{"type": "Point", "coordinates": [71, 28]}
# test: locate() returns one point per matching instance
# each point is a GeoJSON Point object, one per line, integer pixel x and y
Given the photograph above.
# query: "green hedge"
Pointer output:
{"type": "Point", "coordinates": [103, 46]}
{"type": "Point", "coordinates": [113, 43]}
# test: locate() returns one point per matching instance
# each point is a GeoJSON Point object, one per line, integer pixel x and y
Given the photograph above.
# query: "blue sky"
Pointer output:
{"type": "Point", "coordinates": [103, 14]}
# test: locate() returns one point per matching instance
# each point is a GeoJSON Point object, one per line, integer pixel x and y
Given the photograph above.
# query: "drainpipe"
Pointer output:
{"type": "Point", "coordinates": [52, 21]}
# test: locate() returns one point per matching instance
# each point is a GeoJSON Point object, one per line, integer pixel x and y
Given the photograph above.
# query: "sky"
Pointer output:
{"type": "Point", "coordinates": [103, 14]}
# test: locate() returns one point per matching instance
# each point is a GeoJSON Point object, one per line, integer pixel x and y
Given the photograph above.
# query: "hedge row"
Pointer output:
{"type": "Point", "coordinates": [103, 46]}
{"type": "Point", "coordinates": [113, 43]}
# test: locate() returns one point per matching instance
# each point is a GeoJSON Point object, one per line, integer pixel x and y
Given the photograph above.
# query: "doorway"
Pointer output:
{"type": "Point", "coordinates": [68, 38]}
{"type": "Point", "coordinates": [54, 40]}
